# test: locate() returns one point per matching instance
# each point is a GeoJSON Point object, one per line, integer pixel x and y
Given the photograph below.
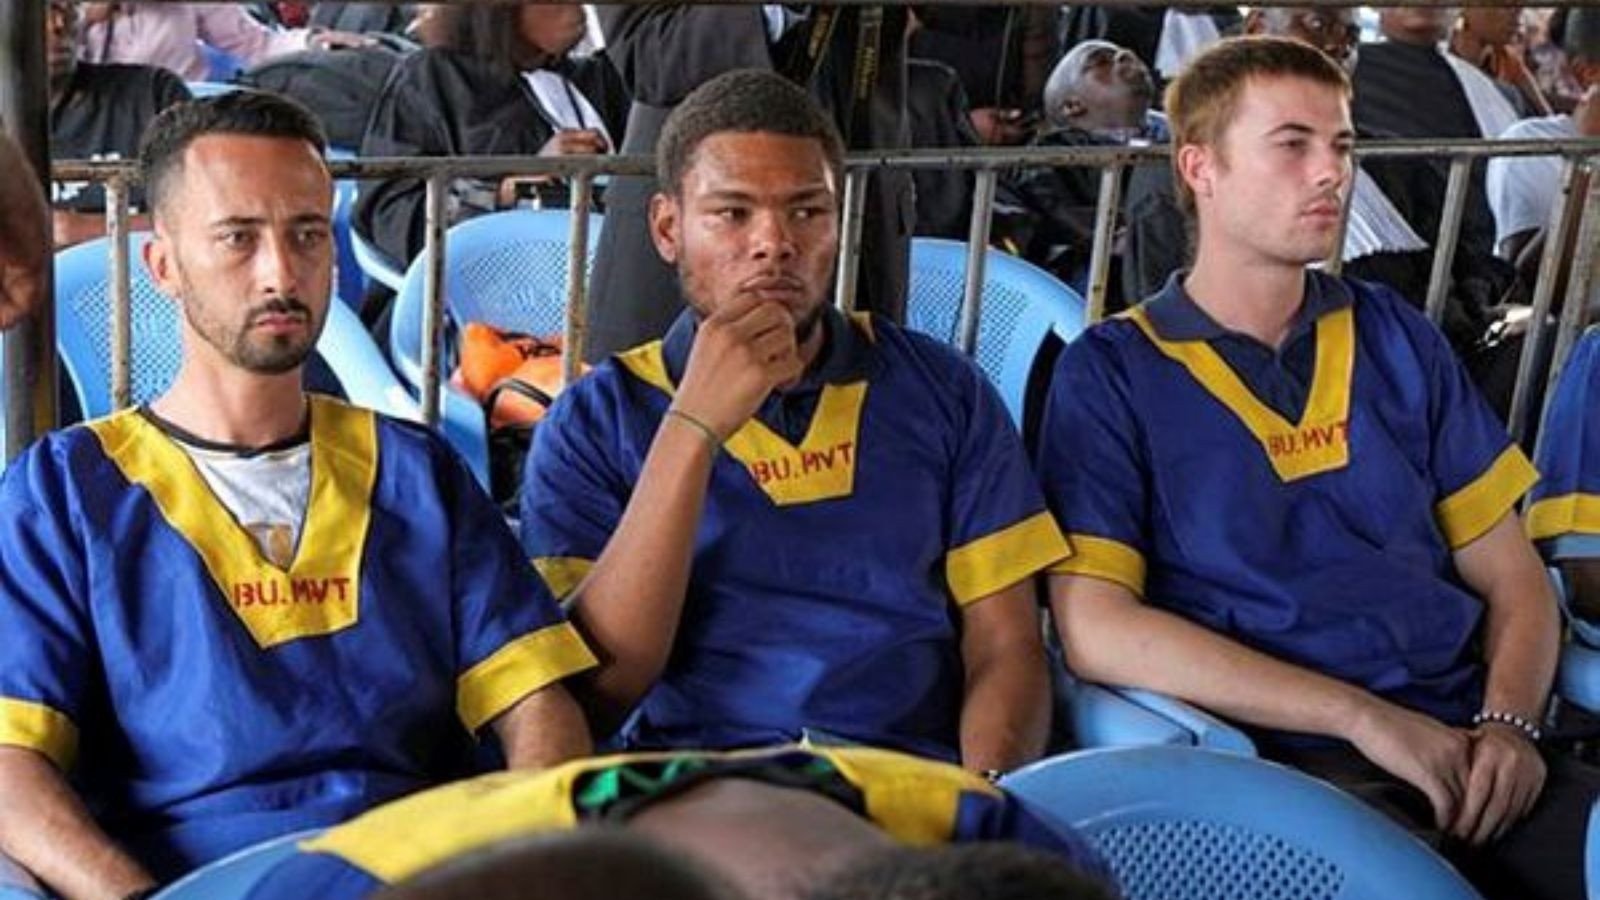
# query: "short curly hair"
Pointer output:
{"type": "Point", "coordinates": [741, 101]}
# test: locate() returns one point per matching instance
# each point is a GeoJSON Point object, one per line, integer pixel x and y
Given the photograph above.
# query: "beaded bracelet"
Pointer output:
{"type": "Point", "coordinates": [1528, 729]}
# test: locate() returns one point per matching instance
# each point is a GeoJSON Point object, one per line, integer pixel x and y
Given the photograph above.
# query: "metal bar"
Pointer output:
{"type": "Point", "coordinates": [121, 295]}
{"type": "Point", "coordinates": [577, 320]}
{"type": "Point", "coordinates": [1557, 233]}
{"type": "Point", "coordinates": [1580, 286]}
{"type": "Point", "coordinates": [983, 186]}
{"type": "Point", "coordinates": [29, 396]}
{"type": "Point", "coordinates": [849, 264]}
{"type": "Point", "coordinates": [1444, 250]}
{"type": "Point", "coordinates": [433, 249]}
{"type": "Point", "coordinates": [1105, 224]}
{"type": "Point", "coordinates": [1443, 4]}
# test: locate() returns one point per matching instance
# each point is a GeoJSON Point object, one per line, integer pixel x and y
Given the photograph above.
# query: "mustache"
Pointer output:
{"type": "Point", "coordinates": [282, 306]}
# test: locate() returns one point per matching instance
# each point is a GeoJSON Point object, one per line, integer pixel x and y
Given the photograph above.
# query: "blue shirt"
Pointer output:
{"type": "Point", "coordinates": [211, 699]}
{"type": "Point", "coordinates": [1565, 515]}
{"type": "Point", "coordinates": [1324, 539]}
{"type": "Point", "coordinates": [828, 572]}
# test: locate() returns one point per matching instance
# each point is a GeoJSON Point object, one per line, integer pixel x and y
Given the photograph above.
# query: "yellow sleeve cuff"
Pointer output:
{"type": "Point", "coordinates": [519, 668]}
{"type": "Point", "coordinates": [41, 728]}
{"type": "Point", "coordinates": [1103, 558]}
{"type": "Point", "coordinates": [1564, 515]}
{"type": "Point", "coordinates": [996, 561]}
{"type": "Point", "coordinates": [1467, 514]}
{"type": "Point", "coordinates": [562, 574]}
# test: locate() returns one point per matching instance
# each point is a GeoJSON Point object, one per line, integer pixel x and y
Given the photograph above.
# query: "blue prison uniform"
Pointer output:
{"type": "Point", "coordinates": [1170, 460]}
{"type": "Point", "coordinates": [1564, 518]}
{"type": "Point", "coordinates": [211, 699]}
{"type": "Point", "coordinates": [917, 802]}
{"type": "Point", "coordinates": [844, 527]}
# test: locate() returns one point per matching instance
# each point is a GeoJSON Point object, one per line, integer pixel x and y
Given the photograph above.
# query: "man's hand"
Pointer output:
{"type": "Point", "coordinates": [741, 353]}
{"type": "Point", "coordinates": [337, 40]}
{"type": "Point", "coordinates": [575, 142]}
{"type": "Point", "coordinates": [1432, 757]}
{"type": "Point", "coordinates": [999, 127]}
{"type": "Point", "coordinates": [1506, 777]}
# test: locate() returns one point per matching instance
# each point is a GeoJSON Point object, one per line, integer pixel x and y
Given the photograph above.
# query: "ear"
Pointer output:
{"type": "Point", "coordinates": [160, 262]}
{"type": "Point", "coordinates": [1197, 166]}
{"type": "Point", "coordinates": [664, 213]}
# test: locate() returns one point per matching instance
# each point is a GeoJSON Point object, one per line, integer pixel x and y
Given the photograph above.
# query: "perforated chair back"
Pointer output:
{"type": "Point", "coordinates": [505, 269]}
{"type": "Point", "coordinates": [233, 877]}
{"type": "Point", "coordinates": [1187, 824]}
{"type": "Point", "coordinates": [1021, 304]}
{"type": "Point", "coordinates": [83, 333]}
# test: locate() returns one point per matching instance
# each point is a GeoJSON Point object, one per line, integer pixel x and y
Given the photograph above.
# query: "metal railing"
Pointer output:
{"type": "Point", "coordinates": [1582, 214]}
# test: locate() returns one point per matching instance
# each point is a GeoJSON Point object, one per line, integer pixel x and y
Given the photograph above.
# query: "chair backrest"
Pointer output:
{"type": "Point", "coordinates": [1021, 304]}
{"type": "Point", "coordinates": [506, 269]}
{"type": "Point", "coordinates": [233, 877]}
{"type": "Point", "coordinates": [83, 332]}
{"type": "Point", "coordinates": [1186, 824]}
{"type": "Point", "coordinates": [199, 89]}
{"type": "Point", "coordinates": [16, 883]}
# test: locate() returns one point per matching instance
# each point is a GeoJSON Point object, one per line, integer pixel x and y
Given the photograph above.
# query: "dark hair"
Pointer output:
{"type": "Point", "coordinates": [978, 871]}
{"type": "Point", "coordinates": [742, 101]}
{"type": "Point", "coordinates": [1202, 99]}
{"type": "Point", "coordinates": [239, 112]}
{"type": "Point", "coordinates": [588, 863]}
{"type": "Point", "coordinates": [1580, 34]}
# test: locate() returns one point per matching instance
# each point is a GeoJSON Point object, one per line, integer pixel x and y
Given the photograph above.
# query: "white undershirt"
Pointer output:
{"type": "Point", "coordinates": [563, 105]}
{"type": "Point", "coordinates": [267, 493]}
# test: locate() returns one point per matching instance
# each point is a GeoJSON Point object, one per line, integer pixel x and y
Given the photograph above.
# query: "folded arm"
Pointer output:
{"type": "Point", "coordinates": [46, 829]}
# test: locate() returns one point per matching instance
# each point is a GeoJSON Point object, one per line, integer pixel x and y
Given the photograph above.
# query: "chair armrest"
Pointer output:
{"type": "Point", "coordinates": [1103, 718]}
{"type": "Point", "coordinates": [1578, 676]}
{"type": "Point", "coordinates": [1208, 730]}
{"type": "Point", "coordinates": [16, 883]}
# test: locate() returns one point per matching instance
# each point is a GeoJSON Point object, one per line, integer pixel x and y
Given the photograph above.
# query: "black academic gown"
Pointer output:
{"type": "Point", "coordinates": [664, 52]}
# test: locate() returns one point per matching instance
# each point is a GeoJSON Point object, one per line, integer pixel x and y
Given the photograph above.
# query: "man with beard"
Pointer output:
{"type": "Point", "coordinates": [242, 610]}
{"type": "Point", "coordinates": [1291, 506]}
{"type": "Point", "coordinates": [96, 112]}
{"type": "Point", "coordinates": [779, 522]}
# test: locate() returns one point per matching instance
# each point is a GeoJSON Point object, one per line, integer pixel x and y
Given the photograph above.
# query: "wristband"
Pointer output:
{"type": "Point", "coordinates": [697, 425]}
{"type": "Point", "coordinates": [1528, 729]}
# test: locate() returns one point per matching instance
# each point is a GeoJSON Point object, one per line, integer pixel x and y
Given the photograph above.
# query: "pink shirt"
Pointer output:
{"type": "Point", "coordinates": [169, 35]}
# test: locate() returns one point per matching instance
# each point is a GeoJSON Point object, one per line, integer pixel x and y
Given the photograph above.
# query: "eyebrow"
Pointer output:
{"type": "Point", "coordinates": [1300, 128]}
{"type": "Point", "coordinates": [255, 221]}
{"type": "Point", "coordinates": [809, 192]}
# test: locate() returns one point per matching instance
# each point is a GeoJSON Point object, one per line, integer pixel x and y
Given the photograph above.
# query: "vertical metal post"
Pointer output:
{"type": "Point", "coordinates": [121, 299]}
{"type": "Point", "coordinates": [1563, 214]}
{"type": "Point", "coordinates": [577, 325]}
{"type": "Point", "coordinates": [1580, 284]}
{"type": "Point", "coordinates": [1334, 263]}
{"type": "Point", "coordinates": [29, 397]}
{"type": "Point", "coordinates": [1105, 224]}
{"type": "Point", "coordinates": [983, 186]}
{"type": "Point", "coordinates": [855, 205]}
{"type": "Point", "coordinates": [432, 297]}
{"type": "Point", "coordinates": [1444, 253]}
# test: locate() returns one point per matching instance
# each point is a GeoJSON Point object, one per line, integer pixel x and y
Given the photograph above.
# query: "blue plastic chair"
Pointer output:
{"type": "Point", "coordinates": [351, 280]}
{"type": "Point", "coordinates": [374, 263]}
{"type": "Point", "coordinates": [506, 269]}
{"type": "Point", "coordinates": [220, 64]}
{"type": "Point", "coordinates": [233, 877]}
{"type": "Point", "coordinates": [1107, 716]}
{"type": "Point", "coordinates": [198, 89]}
{"type": "Point", "coordinates": [83, 333]}
{"type": "Point", "coordinates": [1021, 305]}
{"type": "Point", "coordinates": [17, 884]}
{"type": "Point", "coordinates": [1184, 824]}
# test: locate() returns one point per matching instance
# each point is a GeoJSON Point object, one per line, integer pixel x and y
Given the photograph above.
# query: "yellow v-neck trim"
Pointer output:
{"type": "Point", "coordinates": [822, 467]}
{"type": "Point", "coordinates": [318, 594]}
{"type": "Point", "coordinates": [1319, 442]}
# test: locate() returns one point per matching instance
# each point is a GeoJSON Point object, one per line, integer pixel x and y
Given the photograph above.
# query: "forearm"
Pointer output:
{"type": "Point", "coordinates": [45, 827]}
{"type": "Point", "coordinates": [543, 729]}
{"type": "Point", "coordinates": [629, 606]}
{"type": "Point", "coordinates": [1113, 641]}
{"type": "Point", "coordinates": [1521, 645]}
{"type": "Point", "coordinates": [1005, 715]}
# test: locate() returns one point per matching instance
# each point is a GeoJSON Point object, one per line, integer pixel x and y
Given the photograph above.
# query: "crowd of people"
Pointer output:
{"type": "Point", "coordinates": [770, 609]}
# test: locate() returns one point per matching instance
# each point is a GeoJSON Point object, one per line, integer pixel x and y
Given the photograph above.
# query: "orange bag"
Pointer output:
{"type": "Point", "coordinates": [515, 376]}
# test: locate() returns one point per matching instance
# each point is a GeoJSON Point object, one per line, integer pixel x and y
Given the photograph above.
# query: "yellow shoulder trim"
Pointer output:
{"type": "Point", "coordinates": [519, 668]}
{"type": "Point", "coordinates": [41, 728]}
{"type": "Point", "coordinates": [996, 561]}
{"type": "Point", "coordinates": [915, 800]}
{"type": "Point", "coordinates": [1465, 515]}
{"type": "Point", "coordinates": [400, 839]}
{"type": "Point", "coordinates": [1105, 559]}
{"type": "Point", "coordinates": [562, 574]}
{"type": "Point", "coordinates": [1567, 514]}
